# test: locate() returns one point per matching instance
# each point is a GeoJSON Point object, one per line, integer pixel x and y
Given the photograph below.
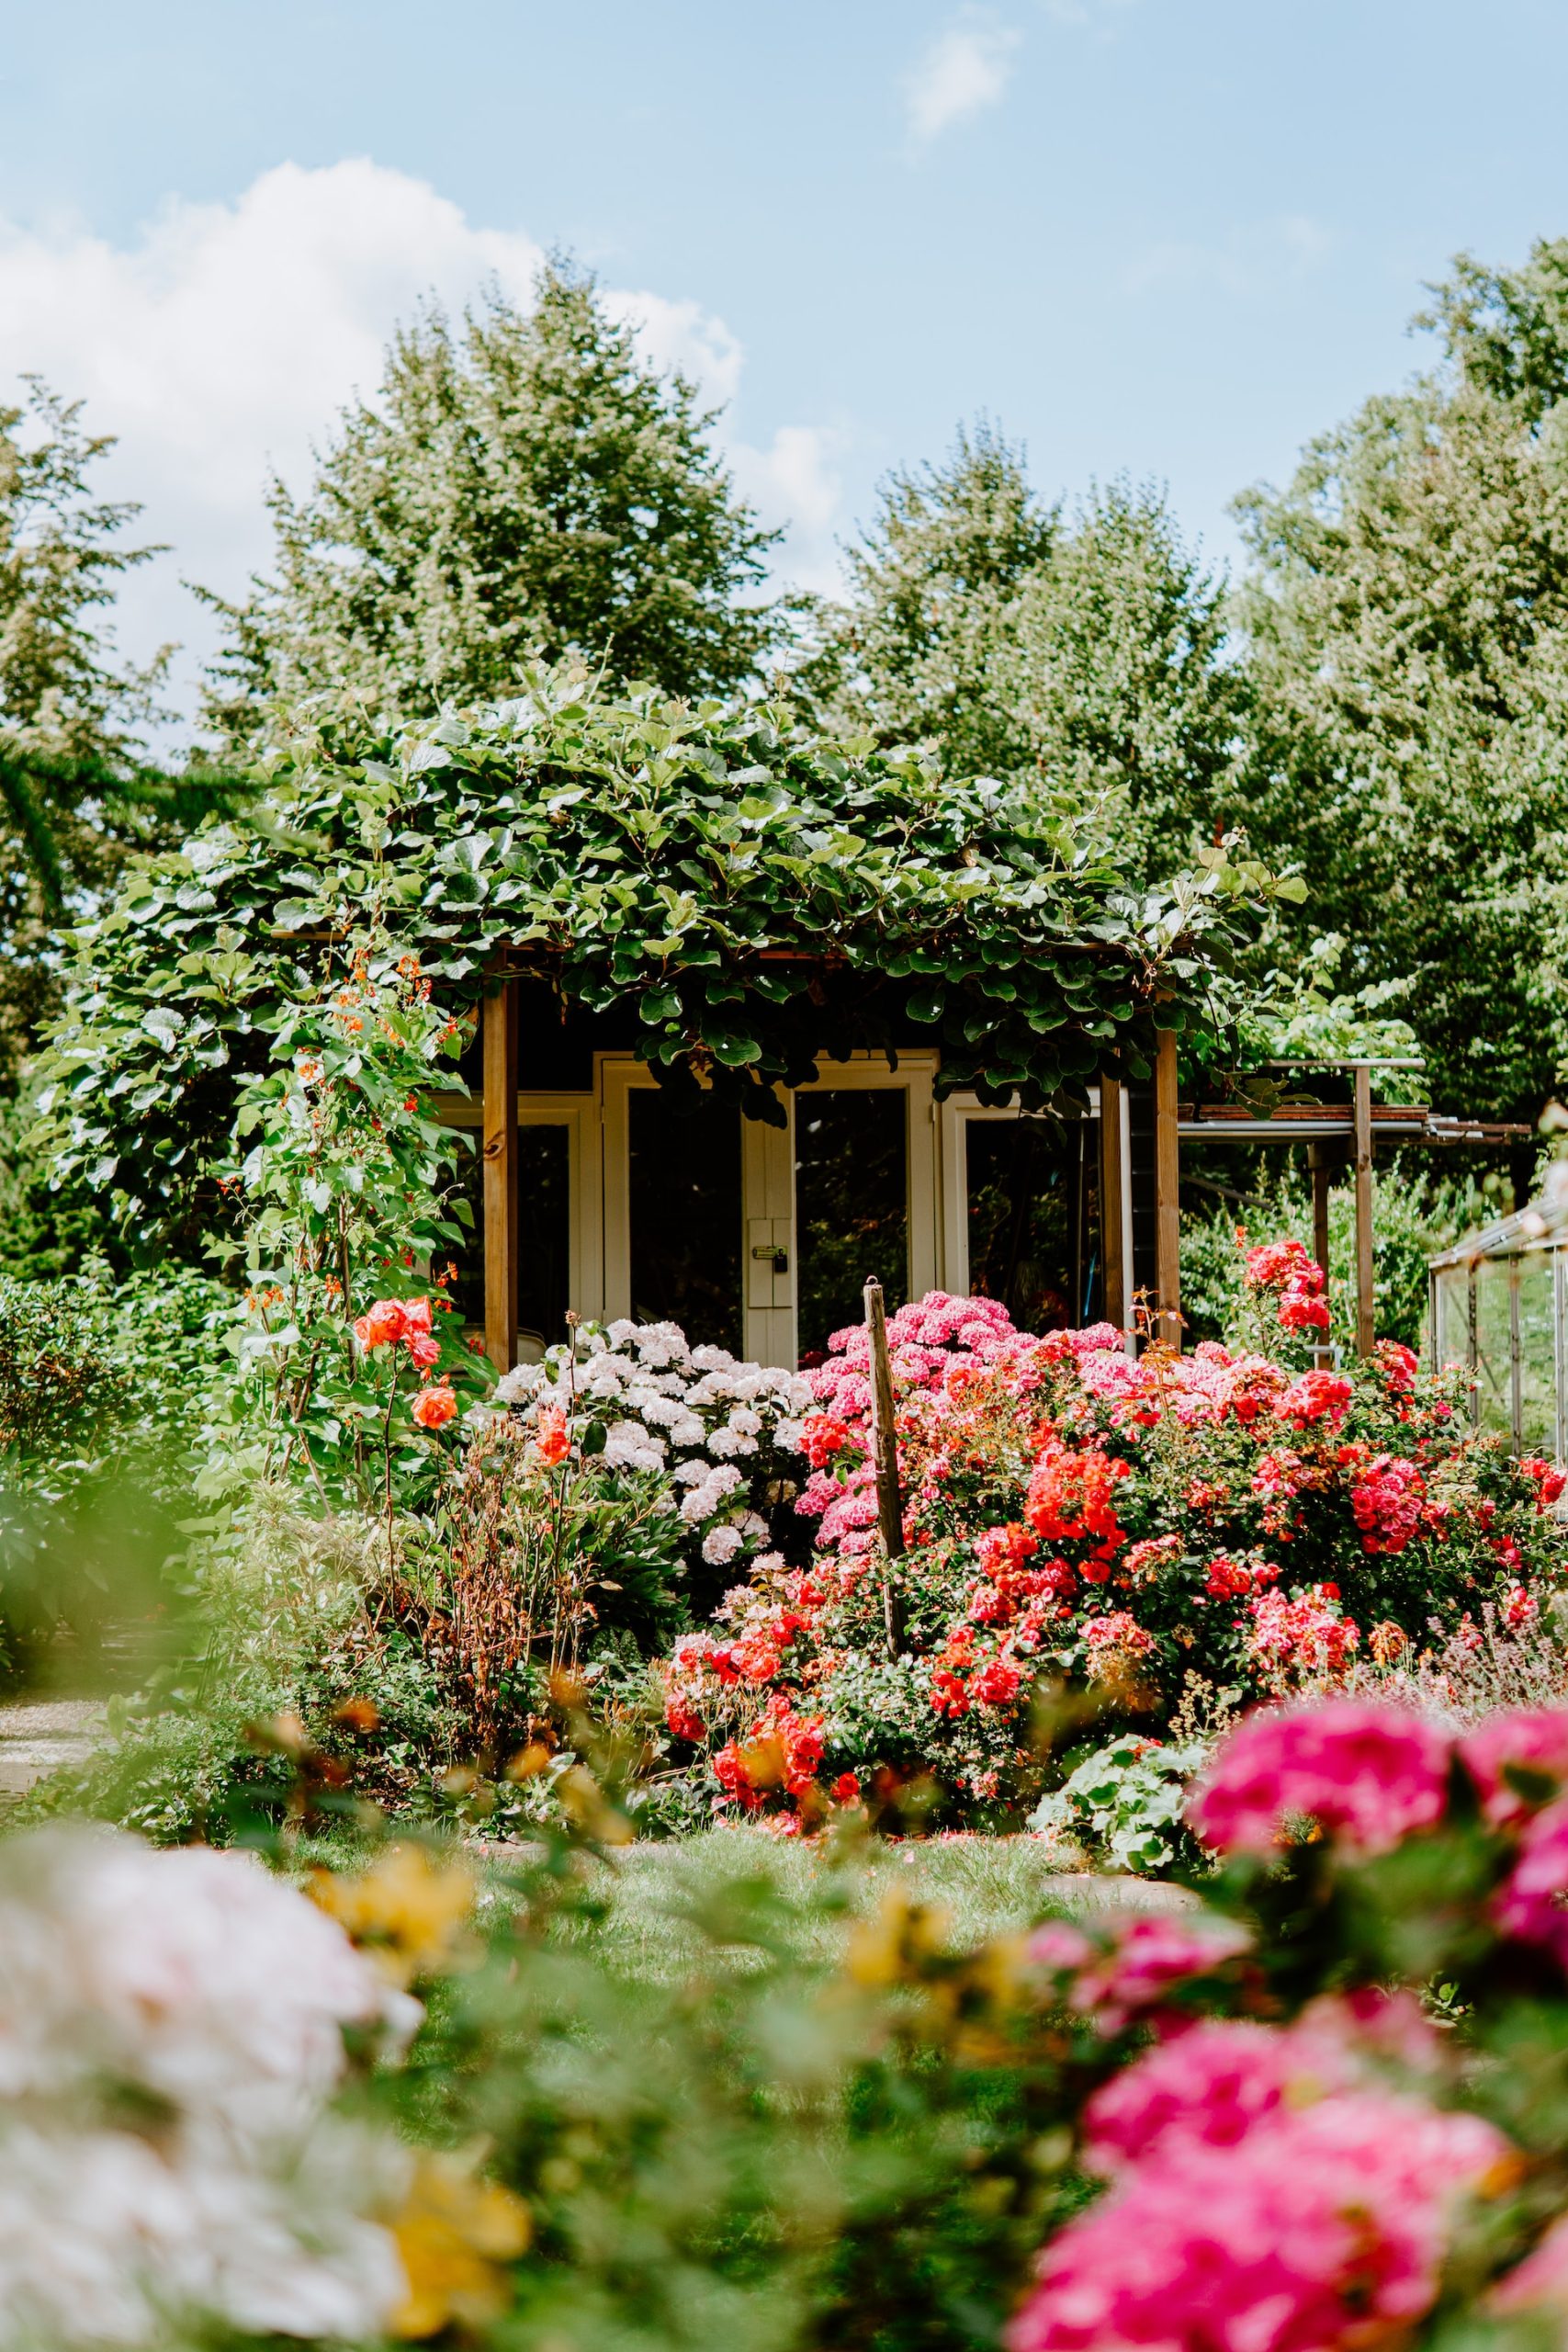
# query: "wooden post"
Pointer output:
{"type": "Point", "coordinates": [1113, 1257]}
{"type": "Point", "coordinates": [1317, 1161]}
{"type": "Point", "coordinates": [1515, 1361]}
{"type": "Point", "coordinates": [1364, 1333]}
{"type": "Point", "coordinates": [500, 1019]}
{"type": "Point", "coordinates": [885, 1455]}
{"type": "Point", "coordinates": [1167, 1203]}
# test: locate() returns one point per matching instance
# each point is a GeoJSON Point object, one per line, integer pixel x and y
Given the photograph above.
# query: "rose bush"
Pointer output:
{"type": "Point", "coordinates": [1145, 1526]}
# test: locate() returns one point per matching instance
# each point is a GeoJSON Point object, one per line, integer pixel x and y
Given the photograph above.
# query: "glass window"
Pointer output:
{"type": "Point", "coordinates": [852, 1207]}
{"type": "Point", "coordinates": [1022, 1207]}
{"type": "Point", "coordinates": [684, 1184]}
{"type": "Point", "coordinates": [544, 1236]}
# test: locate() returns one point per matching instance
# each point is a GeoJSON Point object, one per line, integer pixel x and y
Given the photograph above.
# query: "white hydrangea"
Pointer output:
{"type": "Point", "coordinates": [220, 1996]}
{"type": "Point", "coordinates": [628, 1446]}
{"type": "Point", "coordinates": [671, 1411]}
{"type": "Point", "coordinates": [721, 1543]}
{"type": "Point", "coordinates": [727, 1440]}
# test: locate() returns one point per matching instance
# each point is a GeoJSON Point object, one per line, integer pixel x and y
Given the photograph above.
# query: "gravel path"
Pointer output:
{"type": "Point", "coordinates": [37, 1735]}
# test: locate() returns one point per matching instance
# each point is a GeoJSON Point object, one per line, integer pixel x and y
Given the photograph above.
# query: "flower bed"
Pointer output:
{"type": "Point", "coordinates": [1212, 1523]}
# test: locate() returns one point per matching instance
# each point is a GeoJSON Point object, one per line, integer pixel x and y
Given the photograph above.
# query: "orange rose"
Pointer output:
{"type": "Point", "coordinates": [550, 1439]}
{"type": "Point", "coordinates": [384, 1321]}
{"type": "Point", "coordinates": [424, 1349]}
{"type": "Point", "coordinates": [416, 1315]}
{"type": "Point", "coordinates": [434, 1408]}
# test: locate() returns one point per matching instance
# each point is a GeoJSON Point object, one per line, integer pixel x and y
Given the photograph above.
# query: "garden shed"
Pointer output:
{"type": "Point", "coordinates": [741, 1015]}
{"type": "Point", "coordinates": [1498, 1306]}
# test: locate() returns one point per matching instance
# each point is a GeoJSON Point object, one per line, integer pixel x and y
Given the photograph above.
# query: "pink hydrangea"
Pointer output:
{"type": "Point", "coordinates": [1368, 1775]}
{"type": "Point", "coordinates": [1134, 1962]}
{"type": "Point", "coordinates": [1215, 2081]}
{"type": "Point", "coordinates": [1212, 2085]}
{"type": "Point", "coordinates": [1529, 1904]}
{"type": "Point", "coordinates": [1325, 2228]}
{"type": "Point", "coordinates": [1534, 1740]}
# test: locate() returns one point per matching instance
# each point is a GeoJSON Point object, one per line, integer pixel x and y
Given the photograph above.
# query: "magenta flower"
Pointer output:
{"type": "Point", "coordinates": [1324, 2227]}
{"type": "Point", "coordinates": [1366, 1775]}
{"type": "Point", "coordinates": [1135, 1962]}
{"type": "Point", "coordinates": [1529, 1904]}
{"type": "Point", "coordinates": [1534, 1739]}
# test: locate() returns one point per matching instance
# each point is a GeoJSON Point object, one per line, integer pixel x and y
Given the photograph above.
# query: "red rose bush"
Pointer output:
{"type": "Point", "coordinates": [1147, 1526]}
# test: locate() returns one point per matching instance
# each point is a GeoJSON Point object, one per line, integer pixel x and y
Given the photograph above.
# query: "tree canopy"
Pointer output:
{"type": "Point", "coordinates": [756, 895]}
{"type": "Point", "coordinates": [71, 713]}
{"type": "Point", "coordinates": [1405, 621]}
{"type": "Point", "coordinates": [521, 485]}
{"type": "Point", "coordinates": [1088, 649]}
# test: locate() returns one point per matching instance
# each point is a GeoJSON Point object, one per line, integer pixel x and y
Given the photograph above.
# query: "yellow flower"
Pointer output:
{"type": "Point", "coordinates": [453, 2234]}
{"type": "Point", "coordinates": [895, 1945]}
{"type": "Point", "coordinates": [408, 1910]}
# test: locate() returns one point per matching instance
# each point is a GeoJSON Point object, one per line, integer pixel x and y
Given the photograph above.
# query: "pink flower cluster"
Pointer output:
{"type": "Point", "coordinates": [926, 1340]}
{"type": "Point", "coordinates": [1389, 1503]}
{"type": "Point", "coordinates": [1366, 1775]}
{"type": "Point", "coordinates": [1248, 2224]}
{"type": "Point", "coordinates": [1300, 1638]}
{"type": "Point", "coordinates": [1132, 1966]}
{"type": "Point", "coordinates": [1285, 1268]}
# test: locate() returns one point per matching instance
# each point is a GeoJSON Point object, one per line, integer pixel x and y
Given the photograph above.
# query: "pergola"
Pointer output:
{"type": "Point", "coordinates": [1339, 1135]}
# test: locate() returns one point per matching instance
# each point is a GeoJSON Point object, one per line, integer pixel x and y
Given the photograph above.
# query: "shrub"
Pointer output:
{"type": "Point", "coordinates": [1072, 1514]}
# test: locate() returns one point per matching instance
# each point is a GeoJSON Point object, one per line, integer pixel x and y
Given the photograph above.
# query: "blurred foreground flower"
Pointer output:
{"type": "Point", "coordinates": [453, 2232]}
{"type": "Point", "coordinates": [407, 1911]}
{"type": "Point", "coordinates": [170, 2034]}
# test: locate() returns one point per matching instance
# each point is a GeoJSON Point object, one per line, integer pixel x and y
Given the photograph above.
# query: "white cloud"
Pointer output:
{"type": "Point", "coordinates": [1247, 260]}
{"type": "Point", "coordinates": [965, 70]}
{"type": "Point", "coordinates": [219, 345]}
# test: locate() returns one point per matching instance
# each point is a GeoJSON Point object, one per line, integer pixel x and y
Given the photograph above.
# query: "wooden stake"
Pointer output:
{"type": "Point", "coordinates": [1317, 1160]}
{"type": "Point", "coordinates": [1363, 1115]}
{"type": "Point", "coordinates": [501, 1174]}
{"type": "Point", "coordinates": [885, 1455]}
{"type": "Point", "coordinates": [1113, 1257]}
{"type": "Point", "coordinates": [1167, 1197]}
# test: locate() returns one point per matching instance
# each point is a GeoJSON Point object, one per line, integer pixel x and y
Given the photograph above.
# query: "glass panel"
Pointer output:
{"type": "Point", "coordinates": [1022, 1200]}
{"type": "Point", "coordinates": [851, 1212]}
{"type": "Point", "coordinates": [1492, 1325]}
{"type": "Point", "coordinates": [685, 1215]}
{"type": "Point", "coordinates": [544, 1236]}
{"type": "Point", "coordinates": [1536, 1354]}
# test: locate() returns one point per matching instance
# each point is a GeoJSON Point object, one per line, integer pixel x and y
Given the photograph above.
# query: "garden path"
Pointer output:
{"type": "Point", "coordinates": [39, 1736]}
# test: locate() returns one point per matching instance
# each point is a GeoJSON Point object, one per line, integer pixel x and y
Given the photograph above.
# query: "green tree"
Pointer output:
{"type": "Point", "coordinates": [1407, 619]}
{"type": "Point", "coordinates": [1087, 649]}
{"type": "Point", "coordinates": [72, 714]}
{"type": "Point", "coordinates": [1117, 676]}
{"type": "Point", "coordinates": [522, 485]}
{"type": "Point", "coordinates": [914, 651]}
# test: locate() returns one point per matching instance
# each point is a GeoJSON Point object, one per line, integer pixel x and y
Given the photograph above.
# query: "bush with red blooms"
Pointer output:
{"type": "Point", "coordinates": [1073, 1515]}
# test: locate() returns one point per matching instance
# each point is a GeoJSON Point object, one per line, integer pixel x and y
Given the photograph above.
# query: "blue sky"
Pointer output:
{"type": "Point", "coordinates": [1173, 237]}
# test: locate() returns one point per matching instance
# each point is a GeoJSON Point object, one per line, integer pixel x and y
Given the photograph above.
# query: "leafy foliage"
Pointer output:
{"type": "Point", "coordinates": [755, 896]}
{"type": "Point", "coordinates": [1086, 650]}
{"type": "Point", "coordinates": [521, 487]}
{"type": "Point", "coordinates": [1405, 626]}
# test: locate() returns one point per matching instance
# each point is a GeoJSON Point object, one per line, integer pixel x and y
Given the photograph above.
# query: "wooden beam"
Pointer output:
{"type": "Point", "coordinates": [501, 1174]}
{"type": "Point", "coordinates": [1317, 1160]}
{"type": "Point", "coordinates": [1168, 1200]}
{"type": "Point", "coordinates": [1363, 1124]}
{"type": "Point", "coordinates": [1113, 1256]}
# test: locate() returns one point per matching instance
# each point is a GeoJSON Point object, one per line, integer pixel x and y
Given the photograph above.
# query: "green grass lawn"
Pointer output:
{"type": "Point", "coordinates": [667, 1904]}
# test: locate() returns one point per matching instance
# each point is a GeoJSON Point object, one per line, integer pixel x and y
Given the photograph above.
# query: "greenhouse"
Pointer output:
{"type": "Point", "coordinates": [1498, 1305]}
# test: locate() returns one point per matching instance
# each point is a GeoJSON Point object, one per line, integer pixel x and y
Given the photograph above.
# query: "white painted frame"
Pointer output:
{"type": "Point", "coordinates": [954, 1114]}
{"type": "Point", "coordinates": [578, 1115]}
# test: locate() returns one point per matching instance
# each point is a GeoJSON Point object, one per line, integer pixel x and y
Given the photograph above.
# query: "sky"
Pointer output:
{"type": "Point", "coordinates": [1166, 238]}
